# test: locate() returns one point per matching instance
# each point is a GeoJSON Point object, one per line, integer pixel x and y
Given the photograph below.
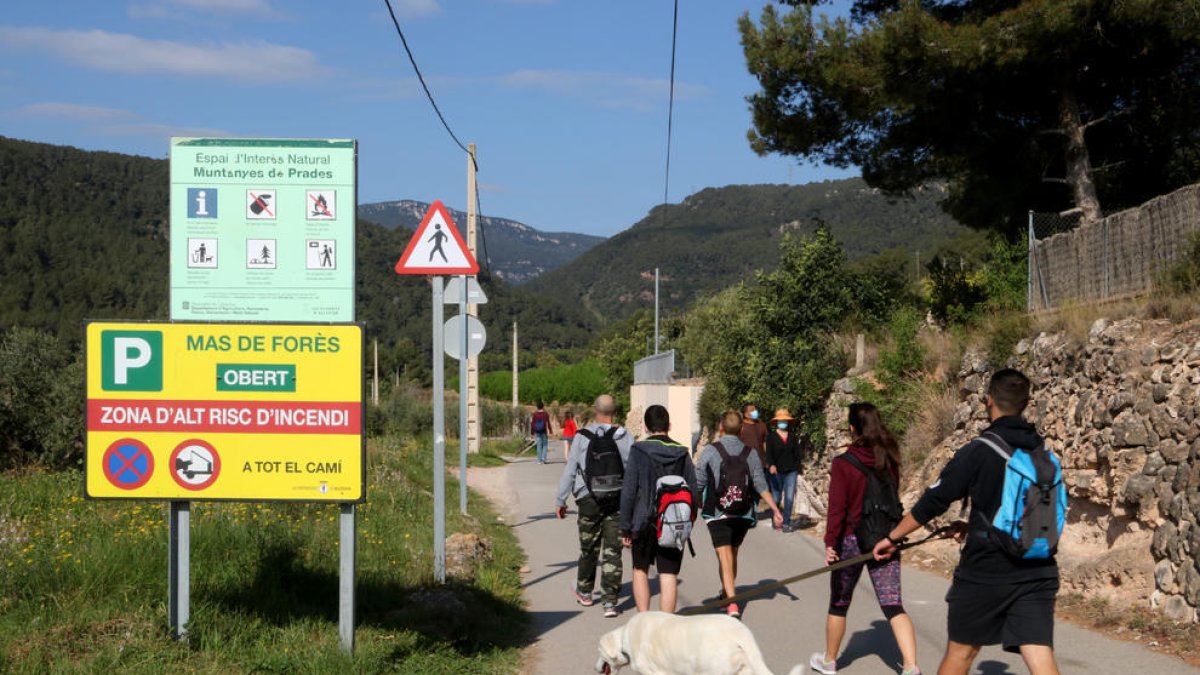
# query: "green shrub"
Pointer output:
{"type": "Point", "coordinates": [41, 401]}
{"type": "Point", "coordinates": [1183, 275]}
{"type": "Point", "coordinates": [567, 383]}
{"type": "Point", "coordinates": [408, 412]}
{"type": "Point", "coordinates": [904, 355]}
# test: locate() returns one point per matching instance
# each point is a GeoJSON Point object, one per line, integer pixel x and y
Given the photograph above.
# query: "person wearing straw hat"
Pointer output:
{"type": "Point", "coordinates": [783, 463]}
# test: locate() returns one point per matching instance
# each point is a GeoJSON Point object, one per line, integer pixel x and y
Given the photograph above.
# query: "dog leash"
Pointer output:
{"type": "Point", "coordinates": [940, 533]}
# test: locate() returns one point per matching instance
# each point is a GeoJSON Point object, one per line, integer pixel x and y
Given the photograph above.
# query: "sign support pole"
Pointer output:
{"type": "Point", "coordinates": [439, 436]}
{"type": "Point", "coordinates": [347, 554]}
{"type": "Point", "coordinates": [462, 401]}
{"type": "Point", "coordinates": [179, 554]}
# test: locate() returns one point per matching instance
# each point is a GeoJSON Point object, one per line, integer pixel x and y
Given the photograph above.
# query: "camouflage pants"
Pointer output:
{"type": "Point", "coordinates": [599, 537]}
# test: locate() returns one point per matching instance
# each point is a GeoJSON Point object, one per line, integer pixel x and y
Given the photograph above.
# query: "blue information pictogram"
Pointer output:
{"type": "Point", "coordinates": [202, 202]}
{"type": "Point", "coordinates": [128, 463]}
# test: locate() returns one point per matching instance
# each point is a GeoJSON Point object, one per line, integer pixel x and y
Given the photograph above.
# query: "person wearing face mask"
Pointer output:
{"type": "Point", "coordinates": [754, 432]}
{"type": "Point", "coordinates": [783, 463]}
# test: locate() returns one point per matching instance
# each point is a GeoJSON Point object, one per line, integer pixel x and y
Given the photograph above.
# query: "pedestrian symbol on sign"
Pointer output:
{"type": "Point", "coordinates": [321, 254]}
{"type": "Point", "coordinates": [202, 253]}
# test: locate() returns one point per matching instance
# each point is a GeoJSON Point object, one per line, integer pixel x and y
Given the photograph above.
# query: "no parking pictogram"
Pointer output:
{"type": "Point", "coordinates": [128, 463]}
{"type": "Point", "coordinates": [195, 464]}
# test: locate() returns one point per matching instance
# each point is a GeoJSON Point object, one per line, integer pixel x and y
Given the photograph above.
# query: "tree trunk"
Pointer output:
{"type": "Point", "coordinates": [1078, 160]}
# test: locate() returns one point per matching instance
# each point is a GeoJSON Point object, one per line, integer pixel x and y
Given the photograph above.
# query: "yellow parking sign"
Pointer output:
{"type": "Point", "coordinates": [209, 411]}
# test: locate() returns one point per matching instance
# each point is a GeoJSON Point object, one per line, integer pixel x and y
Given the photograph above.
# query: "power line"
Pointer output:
{"type": "Point", "coordinates": [670, 111]}
{"type": "Point", "coordinates": [421, 78]}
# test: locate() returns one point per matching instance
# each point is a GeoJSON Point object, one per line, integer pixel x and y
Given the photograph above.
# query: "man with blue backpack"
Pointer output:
{"type": "Point", "coordinates": [1006, 581]}
{"type": "Point", "coordinates": [659, 503]}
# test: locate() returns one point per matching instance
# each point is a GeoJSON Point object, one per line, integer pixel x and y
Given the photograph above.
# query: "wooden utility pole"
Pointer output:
{"type": "Point", "coordinates": [474, 418]}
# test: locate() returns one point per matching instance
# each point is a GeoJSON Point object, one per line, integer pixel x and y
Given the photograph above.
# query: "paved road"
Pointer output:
{"type": "Point", "coordinates": [788, 624]}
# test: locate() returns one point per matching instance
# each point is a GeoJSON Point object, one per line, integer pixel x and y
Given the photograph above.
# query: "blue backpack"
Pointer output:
{"type": "Point", "coordinates": [1033, 504]}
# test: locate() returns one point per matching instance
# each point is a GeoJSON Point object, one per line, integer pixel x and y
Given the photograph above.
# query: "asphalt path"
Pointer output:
{"type": "Point", "coordinates": [788, 623]}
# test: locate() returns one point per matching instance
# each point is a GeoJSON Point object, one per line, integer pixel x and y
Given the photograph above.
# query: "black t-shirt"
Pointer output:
{"type": "Point", "coordinates": [977, 472]}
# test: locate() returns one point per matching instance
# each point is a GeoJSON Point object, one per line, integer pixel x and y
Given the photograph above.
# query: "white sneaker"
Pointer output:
{"type": "Point", "coordinates": [819, 664]}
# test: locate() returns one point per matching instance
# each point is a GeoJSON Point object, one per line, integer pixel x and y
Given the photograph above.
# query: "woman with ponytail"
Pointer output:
{"type": "Point", "coordinates": [873, 449]}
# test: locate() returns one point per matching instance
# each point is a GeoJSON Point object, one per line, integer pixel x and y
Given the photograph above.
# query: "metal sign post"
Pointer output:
{"type": "Point", "coordinates": [439, 439]}
{"type": "Point", "coordinates": [462, 401]}
{"type": "Point", "coordinates": [178, 570]}
{"type": "Point", "coordinates": [437, 248]}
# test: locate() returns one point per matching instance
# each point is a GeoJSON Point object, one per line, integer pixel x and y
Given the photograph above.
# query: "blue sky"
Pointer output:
{"type": "Point", "coordinates": [566, 99]}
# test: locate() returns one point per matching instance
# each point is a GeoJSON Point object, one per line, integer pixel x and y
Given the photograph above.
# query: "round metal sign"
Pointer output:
{"type": "Point", "coordinates": [452, 336]}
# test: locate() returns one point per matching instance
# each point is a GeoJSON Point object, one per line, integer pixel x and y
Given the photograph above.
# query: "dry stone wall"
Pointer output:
{"type": "Point", "coordinates": [1121, 412]}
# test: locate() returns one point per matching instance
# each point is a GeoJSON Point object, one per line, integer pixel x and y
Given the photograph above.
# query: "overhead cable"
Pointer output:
{"type": "Point", "coordinates": [421, 78]}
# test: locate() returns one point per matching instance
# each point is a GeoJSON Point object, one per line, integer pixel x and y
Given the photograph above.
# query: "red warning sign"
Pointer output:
{"type": "Point", "coordinates": [437, 247]}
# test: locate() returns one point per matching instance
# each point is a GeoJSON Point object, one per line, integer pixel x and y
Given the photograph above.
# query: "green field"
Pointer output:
{"type": "Point", "coordinates": [84, 583]}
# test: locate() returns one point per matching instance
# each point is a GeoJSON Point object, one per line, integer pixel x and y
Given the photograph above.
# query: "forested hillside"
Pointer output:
{"type": "Point", "coordinates": [84, 235]}
{"type": "Point", "coordinates": [517, 252]}
{"type": "Point", "coordinates": [720, 236]}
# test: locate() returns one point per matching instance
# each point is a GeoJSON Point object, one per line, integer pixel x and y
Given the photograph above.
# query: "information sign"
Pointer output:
{"type": "Point", "coordinates": [262, 230]}
{"type": "Point", "coordinates": [248, 412]}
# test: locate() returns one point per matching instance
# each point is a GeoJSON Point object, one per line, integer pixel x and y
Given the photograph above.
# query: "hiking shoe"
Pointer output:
{"type": "Point", "coordinates": [819, 664]}
{"type": "Point", "coordinates": [584, 599]}
{"type": "Point", "coordinates": [610, 610]}
{"type": "Point", "coordinates": [732, 610]}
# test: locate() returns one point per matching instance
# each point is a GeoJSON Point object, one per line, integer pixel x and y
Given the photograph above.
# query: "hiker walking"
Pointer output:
{"type": "Point", "coordinates": [864, 503]}
{"type": "Point", "coordinates": [783, 463]}
{"type": "Point", "coordinates": [729, 475]}
{"type": "Point", "coordinates": [1004, 588]}
{"type": "Point", "coordinates": [568, 433]}
{"type": "Point", "coordinates": [659, 474]}
{"type": "Point", "coordinates": [540, 428]}
{"type": "Point", "coordinates": [593, 475]}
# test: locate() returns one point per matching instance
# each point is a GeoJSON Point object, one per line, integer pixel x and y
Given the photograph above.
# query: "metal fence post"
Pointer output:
{"type": "Point", "coordinates": [1029, 265]}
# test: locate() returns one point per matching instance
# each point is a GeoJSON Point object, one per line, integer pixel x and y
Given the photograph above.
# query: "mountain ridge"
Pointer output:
{"type": "Point", "coordinates": [718, 237]}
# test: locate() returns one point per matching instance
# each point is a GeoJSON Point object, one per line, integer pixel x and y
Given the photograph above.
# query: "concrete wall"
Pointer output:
{"type": "Point", "coordinates": [681, 401]}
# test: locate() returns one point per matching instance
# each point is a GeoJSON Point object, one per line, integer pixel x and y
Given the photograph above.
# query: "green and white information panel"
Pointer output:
{"type": "Point", "coordinates": [262, 229]}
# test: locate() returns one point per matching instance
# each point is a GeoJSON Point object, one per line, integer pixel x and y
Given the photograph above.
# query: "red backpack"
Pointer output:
{"type": "Point", "coordinates": [676, 509]}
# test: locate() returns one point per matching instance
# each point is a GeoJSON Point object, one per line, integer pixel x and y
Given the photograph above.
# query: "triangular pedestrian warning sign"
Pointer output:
{"type": "Point", "coordinates": [437, 247]}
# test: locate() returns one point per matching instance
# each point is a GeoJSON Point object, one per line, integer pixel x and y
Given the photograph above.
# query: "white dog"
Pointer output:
{"type": "Point", "coordinates": [657, 643]}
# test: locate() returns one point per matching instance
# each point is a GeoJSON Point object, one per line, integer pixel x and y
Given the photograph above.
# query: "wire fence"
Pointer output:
{"type": "Point", "coordinates": [1121, 255]}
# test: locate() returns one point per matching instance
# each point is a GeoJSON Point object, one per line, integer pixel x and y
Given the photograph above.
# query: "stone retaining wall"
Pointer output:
{"type": "Point", "coordinates": [1121, 412]}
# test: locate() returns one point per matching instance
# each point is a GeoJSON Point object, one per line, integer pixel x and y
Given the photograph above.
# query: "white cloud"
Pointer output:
{"type": "Point", "coordinates": [170, 9]}
{"type": "Point", "coordinates": [606, 89]}
{"type": "Point", "coordinates": [411, 8]}
{"type": "Point", "coordinates": [74, 111]}
{"type": "Point", "coordinates": [155, 130]}
{"type": "Point", "coordinates": [253, 61]}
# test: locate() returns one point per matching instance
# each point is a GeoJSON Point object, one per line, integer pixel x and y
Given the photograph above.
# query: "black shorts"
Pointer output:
{"type": "Point", "coordinates": [728, 531]}
{"type": "Point", "coordinates": [645, 550]}
{"type": "Point", "coordinates": [1010, 615]}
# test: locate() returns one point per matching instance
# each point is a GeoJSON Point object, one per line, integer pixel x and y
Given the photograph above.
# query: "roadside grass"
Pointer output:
{"type": "Point", "coordinates": [1133, 623]}
{"type": "Point", "coordinates": [493, 450]}
{"type": "Point", "coordinates": [83, 583]}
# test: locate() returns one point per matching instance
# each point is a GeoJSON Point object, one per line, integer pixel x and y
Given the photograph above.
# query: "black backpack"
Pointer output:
{"type": "Point", "coordinates": [604, 472]}
{"type": "Point", "coordinates": [881, 508]}
{"type": "Point", "coordinates": [734, 495]}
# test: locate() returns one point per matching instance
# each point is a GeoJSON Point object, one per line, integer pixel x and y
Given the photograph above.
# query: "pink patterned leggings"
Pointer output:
{"type": "Point", "coordinates": [885, 577]}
